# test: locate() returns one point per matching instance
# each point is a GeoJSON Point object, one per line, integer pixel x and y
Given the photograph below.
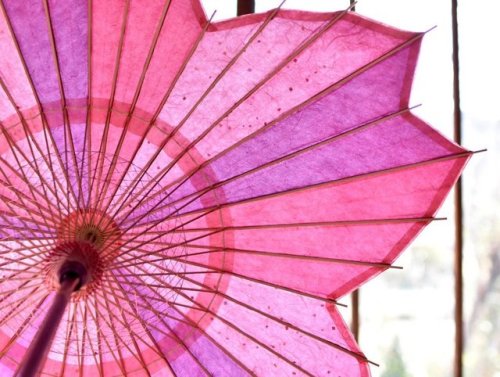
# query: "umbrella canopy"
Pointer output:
{"type": "Point", "coordinates": [223, 183]}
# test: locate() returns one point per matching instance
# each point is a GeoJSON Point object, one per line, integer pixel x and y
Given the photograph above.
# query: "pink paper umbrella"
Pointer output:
{"type": "Point", "coordinates": [188, 198]}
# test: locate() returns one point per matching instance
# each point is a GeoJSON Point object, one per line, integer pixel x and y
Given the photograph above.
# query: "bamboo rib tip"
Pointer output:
{"type": "Point", "coordinates": [334, 302]}
{"type": "Point", "coordinates": [430, 29]}
{"type": "Point", "coordinates": [372, 363]}
{"type": "Point", "coordinates": [212, 16]}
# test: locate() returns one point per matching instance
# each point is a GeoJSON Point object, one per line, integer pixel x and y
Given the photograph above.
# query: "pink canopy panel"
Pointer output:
{"type": "Point", "coordinates": [225, 183]}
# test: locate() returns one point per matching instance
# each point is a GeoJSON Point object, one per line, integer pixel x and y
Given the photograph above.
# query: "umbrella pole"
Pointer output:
{"type": "Point", "coordinates": [72, 274]}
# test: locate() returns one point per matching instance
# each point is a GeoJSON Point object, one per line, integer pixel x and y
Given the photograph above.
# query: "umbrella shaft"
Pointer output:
{"type": "Point", "coordinates": [37, 352]}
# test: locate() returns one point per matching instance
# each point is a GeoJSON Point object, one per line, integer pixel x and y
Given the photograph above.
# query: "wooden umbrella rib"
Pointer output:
{"type": "Point", "coordinates": [140, 228]}
{"type": "Point", "coordinates": [137, 93]}
{"type": "Point", "coordinates": [100, 336]}
{"type": "Point", "coordinates": [104, 139]}
{"type": "Point", "coordinates": [4, 214]}
{"type": "Point", "coordinates": [164, 171]}
{"type": "Point", "coordinates": [67, 123]}
{"type": "Point", "coordinates": [139, 244]}
{"type": "Point", "coordinates": [255, 280]}
{"type": "Point", "coordinates": [24, 199]}
{"type": "Point", "coordinates": [159, 286]}
{"type": "Point", "coordinates": [10, 292]}
{"type": "Point", "coordinates": [27, 132]}
{"type": "Point", "coordinates": [81, 352]}
{"type": "Point", "coordinates": [117, 262]}
{"type": "Point", "coordinates": [182, 180]}
{"type": "Point", "coordinates": [69, 330]}
{"type": "Point", "coordinates": [33, 243]}
{"type": "Point", "coordinates": [6, 294]}
{"type": "Point", "coordinates": [149, 307]}
{"type": "Point", "coordinates": [252, 338]}
{"type": "Point", "coordinates": [296, 328]}
{"type": "Point", "coordinates": [87, 137]}
{"type": "Point", "coordinates": [332, 87]}
{"type": "Point", "coordinates": [21, 231]}
{"type": "Point", "coordinates": [126, 242]}
{"type": "Point", "coordinates": [173, 335]}
{"type": "Point", "coordinates": [348, 351]}
{"type": "Point", "coordinates": [293, 256]}
{"type": "Point", "coordinates": [138, 355]}
{"type": "Point", "coordinates": [271, 254]}
{"type": "Point", "coordinates": [151, 123]}
{"type": "Point", "coordinates": [22, 327]}
{"type": "Point", "coordinates": [116, 335]}
{"type": "Point", "coordinates": [11, 277]}
{"type": "Point", "coordinates": [196, 326]}
{"type": "Point", "coordinates": [459, 155]}
{"type": "Point", "coordinates": [207, 91]}
{"type": "Point", "coordinates": [46, 129]}
{"type": "Point", "coordinates": [22, 248]}
{"type": "Point", "coordinates": [174, 273]}
{"type": "Point", "coordinates": [16, 269]}
{"type": "Point", "coordinates": [278, 160]}
{"type": "Point", "coordinates": [212, 231]}
{"type": "Point", "coordinates": [112, 291]}
{"type": "Point", "coordinates": [13, 148]}
{"type": "Point", "coordinates": [339, 223]}
{"type": "Point", "coordinates": [98, 340]}
{"type": "Point", "coordinates": [187, 306]}
{"type": "Point", "coordinates": [208, 336]}
{"type": "Point", "coordinates": [36, 243]}
{"type": "Point", "coordinates": [150, 287]}
{"type": "Point", "coordinates": [90, 341]}
{"type": "Point", "coordinates": [78, 343]}
{"type": "Point", "coordinates": [259, 281]}
{"type": "Point", "coordinates": [27, 220]}
{"type": "Point", "coordinates": [12, 213]}
{"type": "Point", "coordinates": [20, 260]}
{"type": "Point", "coordinates": [237, 361]}
{"type": "Point", "coordinates": [161, 316]}
{"type": "Point", "coordinates": [145, 326]}
{"type": "Point", "coordinates": [17, 307]}
{"type": "Point", "coordinates": [158, 177]}
{"type": "Point", "coordinates": [30, 275]}
{"type": "Point", "coordinates": [31, 188]}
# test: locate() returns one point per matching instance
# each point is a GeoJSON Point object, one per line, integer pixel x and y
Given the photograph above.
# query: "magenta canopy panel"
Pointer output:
{"type": "Point", "coordinates": [233, 180]}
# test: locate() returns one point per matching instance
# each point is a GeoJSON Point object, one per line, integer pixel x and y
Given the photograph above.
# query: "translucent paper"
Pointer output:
{"type": "Point", "coordinates": [234, 179]}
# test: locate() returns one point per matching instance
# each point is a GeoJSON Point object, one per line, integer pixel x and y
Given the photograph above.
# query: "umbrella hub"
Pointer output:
{"type": "Point", "coordinates": [94, 227]}
{"type": "Point", "coordinates": [74, 259]}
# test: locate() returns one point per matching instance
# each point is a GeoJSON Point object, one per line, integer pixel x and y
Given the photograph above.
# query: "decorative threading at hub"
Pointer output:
{"type": "Point", "coordinates": [89, 237]}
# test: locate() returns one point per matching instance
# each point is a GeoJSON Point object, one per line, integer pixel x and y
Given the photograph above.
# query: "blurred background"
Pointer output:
{"type": "Point", "coordinates": [407, 316]}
